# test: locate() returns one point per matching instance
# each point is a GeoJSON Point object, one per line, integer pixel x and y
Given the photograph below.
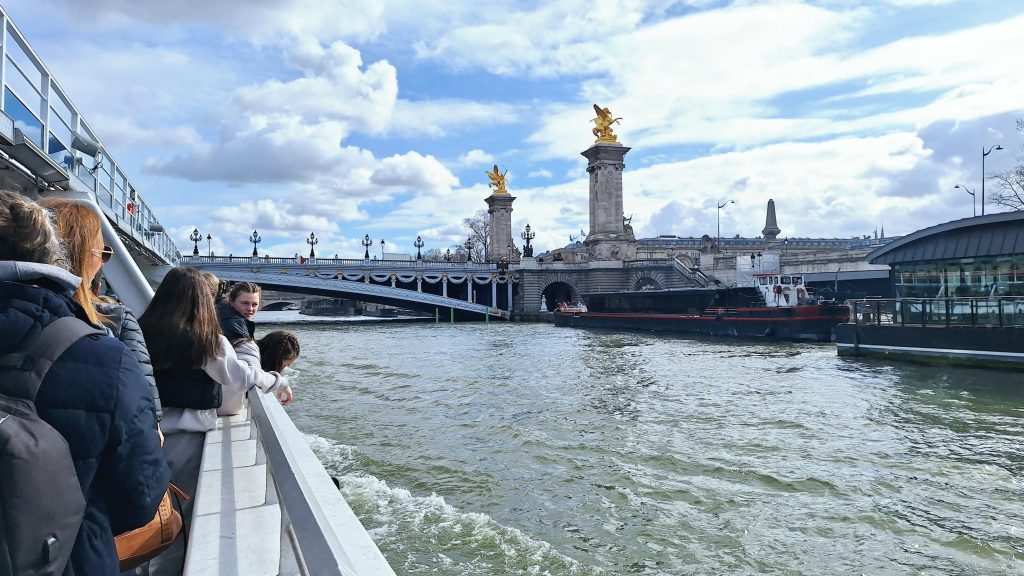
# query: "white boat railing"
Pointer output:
{"type": "Point", "coordinates": [266, 506]}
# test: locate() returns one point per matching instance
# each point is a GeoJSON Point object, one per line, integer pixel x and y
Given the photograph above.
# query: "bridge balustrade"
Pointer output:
{"type": "Point", "coordinates": [999, 311]}
{"type": "Point", "coordinates": [341, 262]}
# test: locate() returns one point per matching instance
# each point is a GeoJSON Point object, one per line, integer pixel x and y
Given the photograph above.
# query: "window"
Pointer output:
{"type": "Point", "coordinates": [24, 120]}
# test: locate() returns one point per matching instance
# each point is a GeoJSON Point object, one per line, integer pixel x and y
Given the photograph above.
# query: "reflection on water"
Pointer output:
{"type": "Point", "coordinates": [527, 449]}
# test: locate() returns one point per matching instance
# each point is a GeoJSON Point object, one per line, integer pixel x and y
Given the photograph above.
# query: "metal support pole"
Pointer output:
{"type": "Point", "coordinates": [494, 292]}
{"type": "Point", "coordinates": [508, 281]}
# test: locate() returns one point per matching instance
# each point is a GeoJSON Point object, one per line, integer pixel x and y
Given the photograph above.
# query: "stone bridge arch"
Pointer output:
{"type": "Point", "coordinates": [648, 280]}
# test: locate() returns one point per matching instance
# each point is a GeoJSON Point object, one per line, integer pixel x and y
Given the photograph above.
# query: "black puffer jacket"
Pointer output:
{"type": "Point", "coordinates": [233, 324]}
{"type": "Point", "coordinates": [96, 398]}
{"type": "Point", "coordinates": [126, 329]}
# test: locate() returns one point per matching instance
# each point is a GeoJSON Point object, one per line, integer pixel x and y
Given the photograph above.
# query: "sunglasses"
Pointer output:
{"type": "Point", "coordinates": [105, 254]}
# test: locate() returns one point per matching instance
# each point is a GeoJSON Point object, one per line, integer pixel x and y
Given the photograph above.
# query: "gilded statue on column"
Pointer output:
{"type": "Point", "coordinates": [497, 183]}
{"type": "Point", "coordinates": [603, 126]}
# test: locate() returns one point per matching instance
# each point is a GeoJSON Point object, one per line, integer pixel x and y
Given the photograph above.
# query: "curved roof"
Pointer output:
{"type": "Point", "coordinates": [989, 235]}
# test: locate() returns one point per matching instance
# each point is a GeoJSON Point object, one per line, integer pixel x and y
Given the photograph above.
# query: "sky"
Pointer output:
{"type": "Point", "coordinates": [347, 118]}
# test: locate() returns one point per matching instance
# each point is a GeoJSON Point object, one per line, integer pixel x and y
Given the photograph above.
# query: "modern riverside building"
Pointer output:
{"type": "Point", "coordinates": [959, 290]}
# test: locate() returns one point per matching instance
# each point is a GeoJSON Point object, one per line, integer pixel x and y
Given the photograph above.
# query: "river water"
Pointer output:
{"type": "Point", "coordinates": [528, 449]}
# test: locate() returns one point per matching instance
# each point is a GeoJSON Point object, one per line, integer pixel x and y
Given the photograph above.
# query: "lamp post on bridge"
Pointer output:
{"type": "Point", "coordinates": [255, 239]}
{"type": "Point", "coordinates": [469, 249]}
{"type": "Point", "coordinates": [983, 154]}
{"type": "Point", "coordinates": [209, 245]}
{"type": "Point", "coordinates": [381, 249]}
{"type": "Point", "coordinates": [974, 199]}
{"type": "Point", "coordinates": [418, 244]}
{"type": "Point", "coordinates": [527, 235]}
{"type": "Point", "coordinates": [718, 234]}
{"type": "Point", "coordinates": [366, 242]}
{"type": "Point", "coordinates": [447, 254]}
{"type": "Point", "coordinates": [312, 241]}
{"type": "Point", "coordinates": [195, 238]}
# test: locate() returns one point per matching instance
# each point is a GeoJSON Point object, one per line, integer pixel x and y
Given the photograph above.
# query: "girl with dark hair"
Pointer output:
{"type": "Point", "coordinates": [94, 395]}
{"type": "Point", "coordinates": [192, 362]}
{"type": "Point", "coordinates": [278, 350]}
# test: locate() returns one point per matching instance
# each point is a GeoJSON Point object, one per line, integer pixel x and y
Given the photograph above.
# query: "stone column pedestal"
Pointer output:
{"type": "Point", "coordinates": [609, 237]}
{"type": "Point", "coordinates": [499, 208]}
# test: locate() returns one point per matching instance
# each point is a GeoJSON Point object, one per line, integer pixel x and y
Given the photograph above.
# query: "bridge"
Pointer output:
{"type": "Point", "coordinates": [458, 289]}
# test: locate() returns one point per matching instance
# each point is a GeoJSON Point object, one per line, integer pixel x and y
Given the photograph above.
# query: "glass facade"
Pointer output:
{"type": "Point", "coordinates": [967, 277]}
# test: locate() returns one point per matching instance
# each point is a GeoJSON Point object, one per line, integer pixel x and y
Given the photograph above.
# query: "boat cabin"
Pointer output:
{"type": "Point", "coordinates": [781, 290]}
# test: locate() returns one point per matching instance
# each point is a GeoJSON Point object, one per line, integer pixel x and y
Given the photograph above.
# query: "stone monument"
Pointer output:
{"type": "Point", "coordinates": [499, 210]}
{"type": "Point", "coordinates": [610, 237]}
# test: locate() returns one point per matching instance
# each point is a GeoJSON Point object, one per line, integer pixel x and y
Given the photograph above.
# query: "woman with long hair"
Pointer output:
{"type": "Point", "coordinates": [78, 225]}
{"type": "Point", "coordinates": [94, 394]}
{"type": "Point", "coordinates": [194, 366]}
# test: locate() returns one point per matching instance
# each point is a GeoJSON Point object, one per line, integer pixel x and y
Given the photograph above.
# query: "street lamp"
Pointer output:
{"type": "Point", "coordinates": [719, 233]}
{"type": "Point", "coordinates": [382, 249]}
{"type": "Point", "coordinates": [448, 255]}
{"type": "Point", "coordinates": [255, 239]}
{"type": "Point", "coordinates": [366, 242]}
{"type": "Point", "coordinates": [312, 241]}
{"type": "Point", "coordinates": [418, 244]}
{"type": "Point", "coordinates": [983, 154]}
{"type": "Point", "coordinates": [209, 245]}
{"type": "Point", "coordinates": [195, 237]}
{"type": "Point", "coordinates": [974, 199]}
{"type": "Point", "coordinates": [527, 235]}
{"type": "Point", "coordinates": [469, 249]}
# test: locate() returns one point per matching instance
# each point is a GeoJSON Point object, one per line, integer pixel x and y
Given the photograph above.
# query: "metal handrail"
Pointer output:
{"type": "Point", "coordinates": [329, 539]}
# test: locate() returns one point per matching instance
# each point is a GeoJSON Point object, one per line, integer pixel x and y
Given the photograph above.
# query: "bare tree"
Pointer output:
{"type": "Point", "coordinates": [1009, 189]}
{"type": "Point", "coordinates": [479, 227]}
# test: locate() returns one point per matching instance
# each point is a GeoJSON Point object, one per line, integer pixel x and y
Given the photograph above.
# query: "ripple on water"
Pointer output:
{"type": "Point", "coordinates": [526, 449]}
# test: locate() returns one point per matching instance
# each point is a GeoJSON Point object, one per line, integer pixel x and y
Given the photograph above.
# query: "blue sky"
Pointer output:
{"type": "Point", "coordinates": [380, 117]}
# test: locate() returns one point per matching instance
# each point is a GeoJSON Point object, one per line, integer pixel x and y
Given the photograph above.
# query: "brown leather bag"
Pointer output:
{"type": "Point", "coordinates": [143, 544]}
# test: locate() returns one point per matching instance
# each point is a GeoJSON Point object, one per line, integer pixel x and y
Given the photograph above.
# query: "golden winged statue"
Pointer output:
{"type": "Point", "coordinates": [497, 180]}
{"type": "Point", "coordinates": [603, 126]}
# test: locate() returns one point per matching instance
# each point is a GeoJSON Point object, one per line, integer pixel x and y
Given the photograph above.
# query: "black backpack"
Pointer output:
{"type": "Point", "coordinates": [41, 501]}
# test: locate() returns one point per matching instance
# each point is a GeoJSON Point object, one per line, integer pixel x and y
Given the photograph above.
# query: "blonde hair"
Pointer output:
{"type": "Point", "coordinates": [214, 283]}
{"type": "Point", "coordinates": [27, 233]}
{"type": "Point", "coordinates": [78, 224]}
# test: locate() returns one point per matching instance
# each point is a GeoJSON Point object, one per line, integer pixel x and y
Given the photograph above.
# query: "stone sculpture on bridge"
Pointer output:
{"type": "Point", "coordinates": [497, 180]}
{"type": "Point", "coordinates": [603, 126]}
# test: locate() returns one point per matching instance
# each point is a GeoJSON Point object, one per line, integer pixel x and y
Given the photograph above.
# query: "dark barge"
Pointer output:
{"type": "Point", "coordinates": [776, 307]}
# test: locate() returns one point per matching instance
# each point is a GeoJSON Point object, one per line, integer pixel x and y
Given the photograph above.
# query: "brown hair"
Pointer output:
{"type": "Point", "coordinates": [214, 283]}
{"type": "Point", "coordinates": [277, 347]}
{"type": "Point", "coordinates": [78, 224]}
{"type": "Point", "coordinates": [240, 287]}
{"type": "Point", "coordinates": [27, 233]}
{"type": "Point", "coordinates": [180, 325]}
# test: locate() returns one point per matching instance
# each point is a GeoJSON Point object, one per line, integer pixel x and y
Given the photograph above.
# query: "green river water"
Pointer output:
{"type": "Point", "coordinates": [529, 449]}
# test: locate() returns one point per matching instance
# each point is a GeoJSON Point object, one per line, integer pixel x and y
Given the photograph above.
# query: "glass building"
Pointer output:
{"type": "Point", "coordinates": [981, 257]}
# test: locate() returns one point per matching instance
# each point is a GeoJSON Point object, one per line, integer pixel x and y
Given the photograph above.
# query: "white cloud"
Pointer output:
{"type": "Point", "coordinates": [475, 157]}
{"type": "Point", "coordinates": [541, 173]}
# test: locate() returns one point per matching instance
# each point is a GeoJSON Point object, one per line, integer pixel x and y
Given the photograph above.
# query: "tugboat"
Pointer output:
{"type": "Point", "coordinates": [777, 306]}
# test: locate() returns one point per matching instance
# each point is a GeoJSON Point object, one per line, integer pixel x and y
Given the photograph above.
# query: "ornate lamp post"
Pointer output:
{"type": "Point", "coordinates": [718, 236]}
{"type": "Point", "coordinates": [209, 245]}
{"type": "Point", "coordinates": [469, 249]}
{"type": "Point", "coordinates": [974, 199]}
{"type": "Point", "coordinates": [195, 238]}
{"type": "Point", "coordinates": [418, 244]}
{"type": "Point", "coordinates": [312, 241]}
{"type": "Point", "coordinates": [448, 255]}
{"type": "Point", "coordinates": [983, 154]}
{"type": "Point", "coordinates": [527, 235]}
{"type": "Point", "coordinates": [382, 249]}
{"type": "Point", "coordinates": [366, 246]}
{"type": "Point", "coordinates": [255, 239]}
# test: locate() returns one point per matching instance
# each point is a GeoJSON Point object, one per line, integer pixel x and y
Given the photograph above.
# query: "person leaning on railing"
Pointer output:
{"type": "Point", "coordinates": [194, 365]}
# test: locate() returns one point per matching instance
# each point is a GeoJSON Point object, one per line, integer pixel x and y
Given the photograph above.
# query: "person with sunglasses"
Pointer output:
{"type": "Point", "coordinates": [79, 226]}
